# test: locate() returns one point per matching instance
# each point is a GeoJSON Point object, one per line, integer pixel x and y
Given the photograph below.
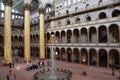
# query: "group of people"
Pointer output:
{"type": "Point", "coordinates": [40, 64]}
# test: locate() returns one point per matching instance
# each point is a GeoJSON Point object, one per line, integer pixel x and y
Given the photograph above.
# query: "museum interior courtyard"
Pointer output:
{"type": "Point", "coordinates": [59, 39]}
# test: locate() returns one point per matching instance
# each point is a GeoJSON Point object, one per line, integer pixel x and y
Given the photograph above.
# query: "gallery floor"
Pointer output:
{"type": "Point", "coordinates": [93, 73]}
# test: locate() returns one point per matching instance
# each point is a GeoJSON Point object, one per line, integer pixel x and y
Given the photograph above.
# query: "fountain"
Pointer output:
{"type": "Point", "coordinates": [52, 74]}
{"type": "Point", "coordinates": [53, 65]}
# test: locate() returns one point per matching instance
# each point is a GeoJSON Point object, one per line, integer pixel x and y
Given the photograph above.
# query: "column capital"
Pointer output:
{"type": "Point", "coordinates": [52, 13]}
{"type": "Point", "coordinates": [41, 10]}
{"type": "Point", "coordinates": [8, 2]}
{"type": "Point", "coordinates": [27, 6]}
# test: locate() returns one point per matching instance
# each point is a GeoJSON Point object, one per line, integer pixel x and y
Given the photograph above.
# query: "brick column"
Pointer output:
{"type": "Point", "coordinates": [42, 34]}
{"type": "Point", "coordinates": [7, 32]}
{"type": "Point", "coordinates": [27, 7]}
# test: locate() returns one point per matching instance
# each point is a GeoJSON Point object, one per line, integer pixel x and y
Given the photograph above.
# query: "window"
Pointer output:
{"type": "Point", "coordinates": [2, 15]}
{"type": "Point", "coordinates": [102, 15]}
{"type": "Point", "coordinates": [67, 12]}
{"type": "Point", "coordinates": [74, 1]}
{"type": "Point", "coordinates": [13, 17]}
{"type": "Point", "coordinates": [69, 2]}
{"type": "Point", "coordinates": [65, 4]}
{"type": "Point", "coordinates": [2, 6]}
{"type": "Point", "coordinates": [88, 19]}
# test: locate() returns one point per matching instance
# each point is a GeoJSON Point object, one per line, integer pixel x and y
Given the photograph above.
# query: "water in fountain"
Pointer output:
{"type": "Point", "coordinates": [52, 76]}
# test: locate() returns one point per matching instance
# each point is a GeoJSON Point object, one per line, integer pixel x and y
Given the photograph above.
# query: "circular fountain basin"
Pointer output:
{"type": "Point", "coordinates": [58, 75]}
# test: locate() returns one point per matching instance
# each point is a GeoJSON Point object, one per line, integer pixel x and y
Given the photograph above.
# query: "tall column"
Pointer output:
{"type": "Point", "coordinates": [52, 13]}
{"type": "Point", "coordinates": [7, 32]}
{"type": "Point", "coordinates": [27, 31]}
{"type": "Point", "coordinates": [42, 34]}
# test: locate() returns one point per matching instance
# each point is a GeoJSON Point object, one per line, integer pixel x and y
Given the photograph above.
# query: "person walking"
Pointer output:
{"type": "Point", "coordinates": [10, 72]}
{"type": "Point", "coordinates": [8, 77]}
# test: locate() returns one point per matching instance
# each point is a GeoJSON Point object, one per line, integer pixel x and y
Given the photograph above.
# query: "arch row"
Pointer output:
{"type": "Point", "coordinates": [92, 57]}
{"type": "Point", "coordinates": [93, 34]}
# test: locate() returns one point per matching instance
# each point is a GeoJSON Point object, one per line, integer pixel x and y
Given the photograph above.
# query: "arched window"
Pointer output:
{"type": "Point", "coordinates": [116, 13]}
{"type": "Point", "coordinates": [99, 2]}
{"type": "Point", "coordinates": [88, 19]}
{"type": "Point", "coordinates": [67, 12]}
{"type": "Point", "coordinates": [76, 9]}
{"type": "Point", "coordinates": [68, 22]}
{"type": "Point", "coordinates": [87, 5]}
{"type": "Point", "coordinates": [77, 20]}
{"type": "Point", "coordinates": [59, 14]}
{"type": "Point", "coordinates": [102, 15]}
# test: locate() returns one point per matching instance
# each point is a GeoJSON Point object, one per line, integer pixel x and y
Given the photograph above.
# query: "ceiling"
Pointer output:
{"type": "Point", "coordinates": [18, 4]}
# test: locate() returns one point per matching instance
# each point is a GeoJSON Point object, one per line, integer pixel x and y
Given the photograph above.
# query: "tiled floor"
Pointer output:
{"type": "Point", "coordinates": [93, 73]}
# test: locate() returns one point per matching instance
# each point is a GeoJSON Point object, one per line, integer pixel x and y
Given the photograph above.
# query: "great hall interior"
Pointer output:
{"type": "Point", "coordinates": [83, 32]}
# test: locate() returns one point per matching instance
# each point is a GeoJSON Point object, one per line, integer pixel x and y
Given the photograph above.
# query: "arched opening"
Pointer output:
{"type": "Point", "coordinates": [48, 54]}
{"type": "Point", "coordinates": [53, 36]}
{"type": "Point", "coordinates": [88, 18]}
{"type": "Point", "coordinates": [69, 36]}
{"type": "Point", "coordinates": [57, 37]}
{"type": "Point", "coordinates": [84, 35]}
{"type": "Point", "coordinates": [114, 33]}
{"type": "Point", "coordinates": [76, 35]}
{"type": "Point", "coordinates": [57, 54]}
{"type": "Point", "coordinates": [102, 31]}
{"type": "Point", "coordinates": [93, 57]}
{"type": "Point", "coordinates": [63, 37]}
{"type": "Point", "coordinates": [20, 39]}
{"type": "Point", "coordinates": [1, 51]}
{"type": "Point", "coordinates": [102, 58]}
{"type": "Point", "coordinates": [21, 51]}
{"type": "Point", "coordinates": [116, 13]}
{"type": "Point", "coordinates": [15, 38]}
{"type": "Point", "coordinates": [68, 22]}
{"type": "Point", "coordinates": [114, 58]}
{"type": "Point", "coordinates": [92, 35]}
{"type": "Point", "coordinates": [84, 56]}
{"type": "Point", "coordinates": [1, 39]}
{"type": "Point", "coordinates": [37, 38]}
{"type": "Point", "coordinates": [33, 38]}
{"type": "Point", "coordinates": [48, 8]}
{"type": "Point", "coordinates": [102, 15]}
{"type": "Point", "coordinates": [77, 20]}
{"type": "Point", "coordinates": [76, 9]}
{"type": "Point", "coordinates": [48, 37]}
{"type": "Point", "coordinates": [63, 54]}
{"type": "Point", "coordinates": [69, 55]}
{"type": "Point", "coordinates": [67, 12]}
{"type": "Point", "coordinates": [76, 55]}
